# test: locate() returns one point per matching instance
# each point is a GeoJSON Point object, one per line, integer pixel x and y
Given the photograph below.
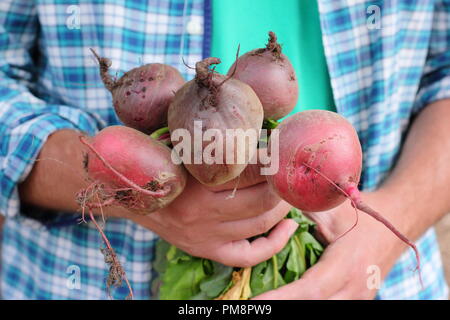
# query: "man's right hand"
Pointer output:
{"type": "Point", "coordinates": [202, 222]}
{"type": "Point", "coordinates": [216, 226]}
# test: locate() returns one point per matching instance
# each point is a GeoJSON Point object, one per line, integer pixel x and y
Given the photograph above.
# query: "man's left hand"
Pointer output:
{"type": "Point", "coordinates": [352, 266]}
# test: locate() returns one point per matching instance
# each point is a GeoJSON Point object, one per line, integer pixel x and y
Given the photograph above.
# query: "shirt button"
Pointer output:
{"type": "Point", "coordinates": [194, 27]}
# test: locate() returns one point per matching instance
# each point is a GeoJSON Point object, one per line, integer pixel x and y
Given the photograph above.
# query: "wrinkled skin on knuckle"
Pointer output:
{"type": "Point", "coordinates": [191, 236]}
{"type": "Point", "coordinates": [262, 225]}
{"type": "Point", "coordinates": [269, 201]}
{"type": "Point", "coordinates": [187, 216]}
{"type": "Point", "coordinates": [276, 247]}
{"type": "Point", "coordinates": [218, 214]}
{"type": "Point", "coordinates": [246, 261]}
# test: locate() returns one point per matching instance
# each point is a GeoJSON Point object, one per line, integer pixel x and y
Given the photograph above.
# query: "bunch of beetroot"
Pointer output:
{"type": "Point", "coordinates": [319, 156]}
{"type": "Point", "coordinates": [126, 166]}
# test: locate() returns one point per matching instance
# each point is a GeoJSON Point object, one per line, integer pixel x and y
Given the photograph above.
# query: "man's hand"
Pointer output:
{"type": "Point", "coordinates": [413, 198]}
{"type": "Point", "coordinates": [344, 269]}
{"type": "Point", "coordinates": [215, 222]}
{"type": "Point", "coordinates": [214, 225]}
{"type": "Point", "coordinates": [202, 222]}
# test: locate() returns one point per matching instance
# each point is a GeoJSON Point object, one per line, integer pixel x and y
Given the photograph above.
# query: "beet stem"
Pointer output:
{"type": "Point", "coordinates": [273, 45]}
{"type": "Point", "coordinates": [105, 63]}
{"type": "Point", "coordinates": [235, 67]}
{"type": "Point", "coordinates": [131, 184]}
{"type": "Point", "coordinates": [360, 205]}
{"type": "Point", "coordinates": [159, 132]}
{"type": "Point", "coordinates": [352, 193]}
{"type": "Point", "coordinates": [203, 73]}
{"type": "Point", "coordinates": [186, 65]}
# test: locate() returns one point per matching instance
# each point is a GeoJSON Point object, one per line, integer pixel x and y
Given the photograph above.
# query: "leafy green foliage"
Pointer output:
{"type": "Point", "coordinates": [300, 253]}
{"type": "Point", "coordinates": [184, 277]}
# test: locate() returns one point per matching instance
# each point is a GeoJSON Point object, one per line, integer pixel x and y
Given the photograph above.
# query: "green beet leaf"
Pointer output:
{"type": "Point", "coordinates": [215, 283]}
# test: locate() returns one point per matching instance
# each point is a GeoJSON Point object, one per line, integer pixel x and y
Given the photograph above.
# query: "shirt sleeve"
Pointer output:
{"type": "Point", "coordinates": [435, 82]}
{"type": "Point", "coordinates": [25, 120]}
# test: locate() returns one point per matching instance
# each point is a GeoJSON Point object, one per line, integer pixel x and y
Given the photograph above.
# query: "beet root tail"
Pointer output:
{"type": "Point", "coordinates": [354, 195]}
{"type": "Point", "coordinates": [351, 192]}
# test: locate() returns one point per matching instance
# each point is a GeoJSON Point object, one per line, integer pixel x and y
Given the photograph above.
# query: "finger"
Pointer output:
{"type": "Point", "coordinates": [243, 253]}
{"type": "Point", "coordinates": [320, 282]}
{"type": "Point", "coordinates": [245, 203]}
{"type": "Point", "coordinates": [250, 227]}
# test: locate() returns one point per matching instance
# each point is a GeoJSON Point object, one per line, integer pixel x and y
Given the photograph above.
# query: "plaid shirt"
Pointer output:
{"type": "Point", "coordinates": [381, 78]}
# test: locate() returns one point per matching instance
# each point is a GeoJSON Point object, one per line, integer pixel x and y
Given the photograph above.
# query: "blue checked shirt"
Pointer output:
{"type": "Point", "coordinates": [381, 75]}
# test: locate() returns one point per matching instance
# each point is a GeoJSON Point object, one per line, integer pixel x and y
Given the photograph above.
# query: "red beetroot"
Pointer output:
{"type": "Point", "coordinates": [325, 141]}
{"type": "Point", "coordinates": [142, 95]}
{"type": "Point", "coordinates": [271, 75]}
{"type": "Point", "coordinates": [320, 162]}
{"type": "Point", "coordinates": [128, 169]}
{"type": "Point", "coordinates": [132, 170]}
{"type": "Point", "coordinates": [219, 103]}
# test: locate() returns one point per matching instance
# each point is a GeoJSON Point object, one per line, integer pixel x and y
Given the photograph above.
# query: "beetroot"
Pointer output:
{"type": "Point", "coordinates": [325, 141]}
{"type": "Point", "coordinates": [320, 162]}
{"type": "Point", "coordinates": [271, 75]}
{"type": "Point", "coordinates": [142, 95]}
{"type": "Point", "coordinates": [213, 103]}
{"type": "Point", "coordinates": [128, 169]}
{"type": "Point", "coordinates": [131, 170]}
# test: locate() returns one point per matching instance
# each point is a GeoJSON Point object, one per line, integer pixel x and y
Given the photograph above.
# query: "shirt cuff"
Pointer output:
{"type": "Point", "coordinates": [22, 144]}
